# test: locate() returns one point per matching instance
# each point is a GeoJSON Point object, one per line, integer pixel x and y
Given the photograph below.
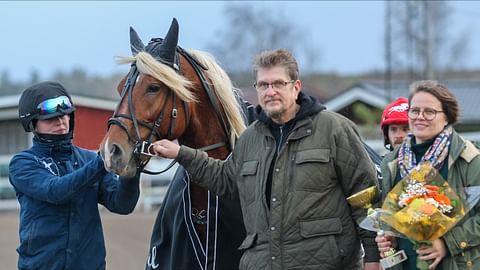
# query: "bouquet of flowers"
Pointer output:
{"type": "Point", "coordinates": [422, 206]}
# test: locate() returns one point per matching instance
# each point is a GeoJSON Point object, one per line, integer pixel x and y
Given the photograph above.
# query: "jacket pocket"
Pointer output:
{"type": "Point", "coordinates": [313, 155]}
{"type": "Point", "coordinates": [313, 171]}
{"type": "Point", "coordinates": [320, 237]}
{"type": "Point", "coordinates": [249, 168]}
{"type": "Point", "coordinates": [320, 227]}
{"type": "Point", "coordinates": [254, 250]}
{"type": "Point", "coordinates": [248, 242]}
{"type": "Point", "coordinates": [248, 184]}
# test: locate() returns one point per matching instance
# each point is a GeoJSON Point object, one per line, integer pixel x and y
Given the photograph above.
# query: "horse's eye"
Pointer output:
{"type": "Point", "coordinates": [153, 88]}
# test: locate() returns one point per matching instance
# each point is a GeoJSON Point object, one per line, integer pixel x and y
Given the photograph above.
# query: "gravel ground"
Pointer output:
{"type": "Point", "coordinates": [126, 237]}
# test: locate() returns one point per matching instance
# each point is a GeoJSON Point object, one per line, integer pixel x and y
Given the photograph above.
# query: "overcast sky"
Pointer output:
{"type": "Point", "coordinates": [56, 35]}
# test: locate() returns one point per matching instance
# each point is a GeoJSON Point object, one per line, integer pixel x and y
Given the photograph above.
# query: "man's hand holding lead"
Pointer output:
{"type": "Point", "coordinates": [166, 149]}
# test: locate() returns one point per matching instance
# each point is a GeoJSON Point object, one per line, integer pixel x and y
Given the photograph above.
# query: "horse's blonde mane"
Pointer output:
{"type": "Point", "coordinates": [224, 89]}
{"type": "Point", "coordinates": [146, 64]}
{"type": "Point", "coordinates": [220, 82]}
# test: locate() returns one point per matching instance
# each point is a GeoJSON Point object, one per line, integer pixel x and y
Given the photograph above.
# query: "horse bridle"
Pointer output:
{"type": "Point", "coordinates": [143, 147]}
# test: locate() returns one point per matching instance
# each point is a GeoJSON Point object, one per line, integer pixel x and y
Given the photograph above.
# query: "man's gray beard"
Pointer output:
{"type": "Point", "coordinates": [275, 115]}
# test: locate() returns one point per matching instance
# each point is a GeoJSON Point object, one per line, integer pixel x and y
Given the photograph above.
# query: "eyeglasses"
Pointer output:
{"type": "Point", "coordinates": [52, 105]}
{"type": "Point", "coordinates": [428, 113]}
{"type": "Point", "coordinates": [279, 85]}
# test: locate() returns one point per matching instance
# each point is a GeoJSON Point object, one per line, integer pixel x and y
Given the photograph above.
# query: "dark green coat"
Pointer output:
{"type": "Point", "coordinates": [310, 225]}
{"type": "Point", "coordinates": [463, 240]}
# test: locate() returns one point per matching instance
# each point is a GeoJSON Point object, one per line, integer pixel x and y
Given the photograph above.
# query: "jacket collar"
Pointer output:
{"type": "Point", "coordinates": [302, 124]}
{"type": "Point", "coordinates": [301, 128]}
{"type": "Point", "coordinates": [60, 149]}
{"type": "Point", "coordinates": [461, 148]}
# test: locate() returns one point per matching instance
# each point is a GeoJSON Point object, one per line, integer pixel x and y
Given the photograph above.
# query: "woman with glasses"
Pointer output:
{"type": "Point", "coordinates": [433, 110]}
{"type": "Point", "coordinates": [59, 187]}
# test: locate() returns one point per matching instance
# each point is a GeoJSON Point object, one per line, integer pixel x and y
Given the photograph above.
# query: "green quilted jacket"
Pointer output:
{"type": "Point", "coordinates": [309, 224]}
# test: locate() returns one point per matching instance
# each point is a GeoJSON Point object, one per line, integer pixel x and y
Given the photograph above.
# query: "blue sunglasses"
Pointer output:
{"type": "Point", "coordinates": [54, 104]}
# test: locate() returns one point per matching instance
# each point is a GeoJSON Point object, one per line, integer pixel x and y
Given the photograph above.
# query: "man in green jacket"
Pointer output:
{"type": "Point", "coordinates": [292, 171]}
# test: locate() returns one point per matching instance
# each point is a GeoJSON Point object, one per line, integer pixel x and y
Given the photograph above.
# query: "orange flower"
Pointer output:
{"type": "Point", "coordinates": [441, 198]}
{"type": "Point", "coordinates": [432, 188]}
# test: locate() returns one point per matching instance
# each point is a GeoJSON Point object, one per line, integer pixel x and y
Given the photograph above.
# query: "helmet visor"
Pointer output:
{"type": "Point", "coordinates": [52, 105]}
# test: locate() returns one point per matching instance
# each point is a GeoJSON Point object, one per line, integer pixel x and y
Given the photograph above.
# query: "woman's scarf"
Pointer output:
{"type": "Point", "coordinates": [436, 154]}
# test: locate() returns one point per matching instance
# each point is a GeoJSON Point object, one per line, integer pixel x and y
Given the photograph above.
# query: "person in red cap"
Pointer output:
{"type": "Point", "coordinates": [394, 123]}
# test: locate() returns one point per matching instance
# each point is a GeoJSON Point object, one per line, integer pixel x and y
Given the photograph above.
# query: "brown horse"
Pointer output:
{"type": "Point", "coordinates": [175, 94]}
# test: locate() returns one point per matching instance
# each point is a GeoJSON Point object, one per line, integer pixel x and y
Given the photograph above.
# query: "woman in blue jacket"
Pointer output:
{"type": "Point", "coordinates": [59, 186]}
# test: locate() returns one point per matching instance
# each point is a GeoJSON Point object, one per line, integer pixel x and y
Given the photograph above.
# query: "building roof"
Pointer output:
{"type": "Point", "coordinates": [374, 93]}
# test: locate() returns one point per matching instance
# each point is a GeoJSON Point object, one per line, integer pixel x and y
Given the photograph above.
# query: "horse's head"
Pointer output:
{"type": "Point", "coordinates": [169, 93]}
{"type": "Point", "coordinates": [153, 105]}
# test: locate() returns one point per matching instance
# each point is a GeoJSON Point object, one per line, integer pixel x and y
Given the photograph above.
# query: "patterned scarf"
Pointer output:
{"type": "Point", "coordinates": [436, 154]}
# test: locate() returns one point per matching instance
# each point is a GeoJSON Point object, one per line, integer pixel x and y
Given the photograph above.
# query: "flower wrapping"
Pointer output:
{"type": "Point", "coordinates": [422, 206]}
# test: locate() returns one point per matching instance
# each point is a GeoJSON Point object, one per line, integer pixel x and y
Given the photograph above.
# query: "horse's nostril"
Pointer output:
{"type": "Point", "coordinates": [116, 150]}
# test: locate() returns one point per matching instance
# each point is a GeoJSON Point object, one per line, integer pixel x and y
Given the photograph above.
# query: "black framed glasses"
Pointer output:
{"type": "Point", "coordinates": [428, 113]}
{"type": "Point", "coordinates": [278, 85]}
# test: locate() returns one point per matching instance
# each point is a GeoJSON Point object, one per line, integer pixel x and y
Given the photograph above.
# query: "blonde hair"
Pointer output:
{"type": "Point", "coordinates": [148, 65]}
{"type": "Point", "coordinates": [223, 86]}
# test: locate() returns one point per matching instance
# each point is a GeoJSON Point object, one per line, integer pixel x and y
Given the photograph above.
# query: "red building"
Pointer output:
{"type": "Point", "coordinates": [91, 117]}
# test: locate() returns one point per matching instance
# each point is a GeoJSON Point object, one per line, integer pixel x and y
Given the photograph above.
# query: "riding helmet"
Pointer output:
{"type": "Point", "coordinates": [44, 100]}
{"type": "Point", "coordinates": [396, 113]}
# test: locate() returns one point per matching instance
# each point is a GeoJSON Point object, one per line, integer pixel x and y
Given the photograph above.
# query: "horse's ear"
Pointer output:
{"type": "Point", "coordinates": [171, 39]}
{"type": "Point", "coordinates": [136, 44]}
{"type": "Point", "coordinates": [169, 45]}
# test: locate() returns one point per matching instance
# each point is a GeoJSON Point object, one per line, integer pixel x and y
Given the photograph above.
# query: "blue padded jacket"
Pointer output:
{"type": "Point", "coordinates": [59, 186]}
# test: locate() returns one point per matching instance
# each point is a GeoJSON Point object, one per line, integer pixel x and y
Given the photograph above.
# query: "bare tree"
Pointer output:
{"type": "Point", "coordinates": [420, 40]}
{"type": "Point", "coordinates": [250, 30]}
